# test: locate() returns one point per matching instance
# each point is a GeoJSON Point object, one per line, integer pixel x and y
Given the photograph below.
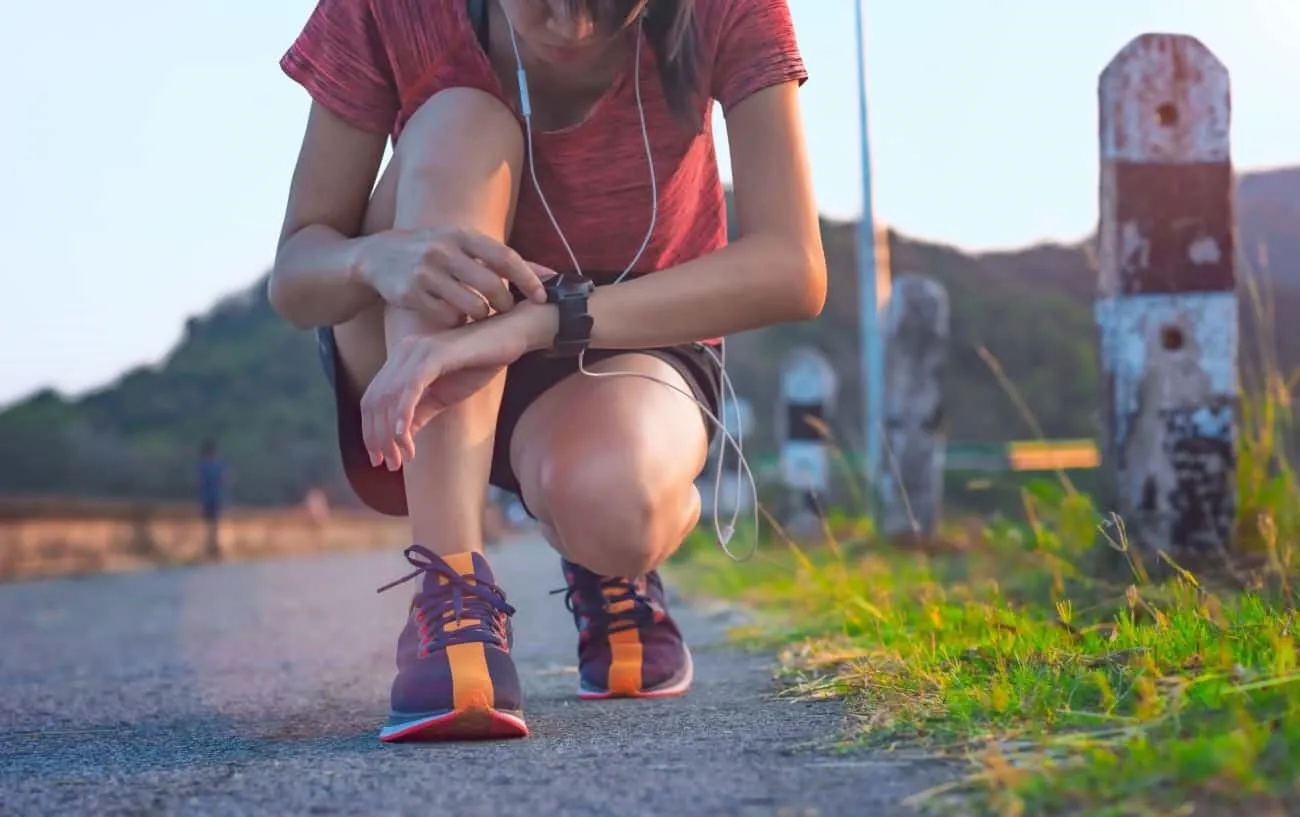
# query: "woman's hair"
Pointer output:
{"type": "Point", "coordinates": [670, 28]}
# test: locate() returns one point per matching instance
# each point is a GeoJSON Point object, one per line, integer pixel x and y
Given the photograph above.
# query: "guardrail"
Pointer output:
{"type": "Point", "coordinates": [992, 457]}
{"type": "Point", "coordinates": [1023, 455]}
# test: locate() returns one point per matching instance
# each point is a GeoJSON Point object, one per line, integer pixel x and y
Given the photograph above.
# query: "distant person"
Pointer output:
{"type": "Point", "coordinates": [211, 494]}
{"type": "Point", "coordinates": [317, 506]}
{"type": "Point", "coordinates": [597, 166]}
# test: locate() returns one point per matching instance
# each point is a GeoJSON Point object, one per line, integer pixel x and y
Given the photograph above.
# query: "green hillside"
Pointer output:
{"type": "Point", "coordinates": [241, 375]}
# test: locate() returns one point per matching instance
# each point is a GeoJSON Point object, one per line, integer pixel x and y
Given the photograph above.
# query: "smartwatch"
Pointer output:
{"type": "Point", "coordinates": [569, 292]}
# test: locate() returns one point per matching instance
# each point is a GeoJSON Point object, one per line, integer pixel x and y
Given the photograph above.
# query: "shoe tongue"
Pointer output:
{"type": "Point", "coordinates": [471, 565]}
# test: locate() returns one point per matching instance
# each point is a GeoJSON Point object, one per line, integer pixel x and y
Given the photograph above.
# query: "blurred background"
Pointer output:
{"type": "Point", "coordinates": [149, 147]}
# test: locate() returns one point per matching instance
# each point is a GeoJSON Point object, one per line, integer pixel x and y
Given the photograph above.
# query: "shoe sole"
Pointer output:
{"type": "Point", "coordinates": [671, 688]}
{"type": "Point", "coordinates": [475, 723]}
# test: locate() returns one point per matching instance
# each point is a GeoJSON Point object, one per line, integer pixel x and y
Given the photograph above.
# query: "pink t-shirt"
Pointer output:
{"type": "Point", "coordinates": [374, 62]}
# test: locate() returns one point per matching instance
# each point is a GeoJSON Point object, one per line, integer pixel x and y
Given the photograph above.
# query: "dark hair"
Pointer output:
{"type": "Point", "coordinates": [670, 28]}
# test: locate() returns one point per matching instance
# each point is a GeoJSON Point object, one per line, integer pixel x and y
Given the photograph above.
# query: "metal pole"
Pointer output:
{"type": "Point", "coordinates": [873, 358]}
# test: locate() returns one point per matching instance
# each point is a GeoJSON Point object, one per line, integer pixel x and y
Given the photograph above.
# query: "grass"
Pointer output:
{"type": "Point", "coordinates": [1068, 694]}
{"type": "Point", "coordinates": [1069, 687]}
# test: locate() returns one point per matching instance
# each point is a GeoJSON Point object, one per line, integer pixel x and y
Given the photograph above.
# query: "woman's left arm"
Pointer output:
{"type": "Point", "coordinates": [774, 272]}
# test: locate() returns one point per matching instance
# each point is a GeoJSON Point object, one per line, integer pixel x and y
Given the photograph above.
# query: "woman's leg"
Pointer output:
{"type": "Point", "coordinates": [457, 164]}
{"type": "Point", "coordinates": [608, 466]}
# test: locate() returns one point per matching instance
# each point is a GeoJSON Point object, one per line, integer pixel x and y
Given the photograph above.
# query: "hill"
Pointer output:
{"type": "Point", "coordinates": [241, 375]}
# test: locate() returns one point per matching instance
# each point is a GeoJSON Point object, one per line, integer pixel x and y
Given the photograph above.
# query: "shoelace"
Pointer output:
{"type": "Point", "coordinates": [595, 606]}
{"type": "Point", "coordinates": [458, 599]}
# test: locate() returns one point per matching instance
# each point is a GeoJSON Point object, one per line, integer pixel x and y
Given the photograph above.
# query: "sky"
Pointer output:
{"type": "Point", "coordinates": [148, 145]}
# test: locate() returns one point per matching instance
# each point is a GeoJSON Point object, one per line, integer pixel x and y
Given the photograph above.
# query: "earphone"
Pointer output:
{"type": "Point", "coordinates": [737, 441]}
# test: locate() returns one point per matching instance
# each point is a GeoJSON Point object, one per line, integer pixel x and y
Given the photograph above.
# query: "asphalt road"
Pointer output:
{"type": "Point", "coordinates": [258, 688]}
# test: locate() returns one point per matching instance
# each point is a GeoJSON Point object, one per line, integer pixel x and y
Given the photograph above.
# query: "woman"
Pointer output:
{"type": "Point", "coordinates": [446, 380]}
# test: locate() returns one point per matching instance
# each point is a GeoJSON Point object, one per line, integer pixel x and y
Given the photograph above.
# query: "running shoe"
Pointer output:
{"type": "Point", "coordinates": [455, 677]}
{"type": "Point", "coordinates": [628, 644]}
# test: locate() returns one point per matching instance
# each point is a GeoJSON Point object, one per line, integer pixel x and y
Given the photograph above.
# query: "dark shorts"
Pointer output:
{"type": "Point", "coordinates": [526, 380]}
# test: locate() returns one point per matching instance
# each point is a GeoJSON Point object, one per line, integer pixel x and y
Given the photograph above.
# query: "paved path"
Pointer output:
{"type": "Point", "coordinates": [258, 688]}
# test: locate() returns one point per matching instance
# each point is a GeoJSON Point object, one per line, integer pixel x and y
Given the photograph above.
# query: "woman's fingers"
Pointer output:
{"type": "Point", "coordinates": [440, 284]}
{"type": "Point", "coordinates": [406, 379]}
{"type": "Point", "coordinates": [470, 273]}
{"type": "Point", "coordinates": [377, 418]}
{"type": "Point", "coordinates": [506, 263]}
{"type": "Point", "coordinates": [369, 425]}
{"type": "Point", "coordinates": [436, 310]}
{"type": "Point", "coordinates": [389, 404]}
{"type": "Point", "coordinates": [404, 417]}
{"type": "Point", "coordinates": [388, 449]}
{"type": "Point", "coordinates": [421, 368]}
{"type": "Point", "coordinates": [480, 279]}
{"type": "Point", "coordinates": [405, 441]}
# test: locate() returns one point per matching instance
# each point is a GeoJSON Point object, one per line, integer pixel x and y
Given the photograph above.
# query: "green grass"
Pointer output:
{"type": "Point", "coordinates": [1069, 688]}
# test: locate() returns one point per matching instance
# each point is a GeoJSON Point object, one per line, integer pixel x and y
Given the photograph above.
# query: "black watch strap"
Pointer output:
{"type": "Point", "coordinates": [569, 292]}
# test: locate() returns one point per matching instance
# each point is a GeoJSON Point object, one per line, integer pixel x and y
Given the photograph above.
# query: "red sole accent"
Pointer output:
{"type": "Point", "coordinates": [604, 696]}
{"type": "Point", "coordinates": [676, 689]}
{"type": "Point", "coordinates": [466, 724]}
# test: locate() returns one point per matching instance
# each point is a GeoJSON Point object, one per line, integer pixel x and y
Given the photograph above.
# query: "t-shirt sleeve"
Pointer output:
{"type": "Point", "coordinates": [755, 49]}
{"type": "Point", "coordinates": [340, 59]}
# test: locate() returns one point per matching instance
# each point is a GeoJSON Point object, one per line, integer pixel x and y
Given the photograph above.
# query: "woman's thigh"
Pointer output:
{"type": "Point", "coordinates": [615, 442]}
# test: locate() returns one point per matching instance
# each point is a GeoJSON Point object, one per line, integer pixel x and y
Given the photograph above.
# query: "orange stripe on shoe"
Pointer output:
{"type": "Point", "coordinates": [462, 563]}
{"type": "Point", "coordinates": [625, 656]}
{"type": "Point", "coordinates": [471, 683]}
{"type": "Point", "coordinates": [625, 662]}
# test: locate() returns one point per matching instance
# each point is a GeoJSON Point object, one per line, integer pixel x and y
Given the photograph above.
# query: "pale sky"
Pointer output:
{"type": "Point", "coordinates": [147, 145]}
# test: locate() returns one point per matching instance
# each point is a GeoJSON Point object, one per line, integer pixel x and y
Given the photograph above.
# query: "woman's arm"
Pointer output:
{"type": "Point", "coordinates": [323, 277]}
{"type": "Point", "coordinates": [315, 280]}
{"type": "Point", "coordinates": [774, 272]}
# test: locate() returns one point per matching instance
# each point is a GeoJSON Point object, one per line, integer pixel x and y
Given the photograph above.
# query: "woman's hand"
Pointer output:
{"type": "Point", "coordinates": [448, 274]}
{"type": "Point", "coordinates": [426, 373]}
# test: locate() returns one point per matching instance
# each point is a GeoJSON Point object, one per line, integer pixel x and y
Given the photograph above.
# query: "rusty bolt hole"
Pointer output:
{"type": "Point", "coordinates": [1171, 338]}
{"type": "Point", "coordinates": [1167, 115]}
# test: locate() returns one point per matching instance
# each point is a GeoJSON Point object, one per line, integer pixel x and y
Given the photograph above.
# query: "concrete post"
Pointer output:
{"type": "Point", "coordinates": [912, 464]}
{"type": "Point", "coordinates": [809, 386]}
{"type": "Point", "coordinates": [1167, 310]}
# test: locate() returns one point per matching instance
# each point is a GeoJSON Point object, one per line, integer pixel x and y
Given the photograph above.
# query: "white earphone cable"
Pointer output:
{"type": "Point", "coordinates": [727, 388]}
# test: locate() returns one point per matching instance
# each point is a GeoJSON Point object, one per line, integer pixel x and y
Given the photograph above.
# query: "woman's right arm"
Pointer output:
{"type": "Point", "coordinates": [316, 280]}
{"type": "Point", "coordinates": [326, 272]}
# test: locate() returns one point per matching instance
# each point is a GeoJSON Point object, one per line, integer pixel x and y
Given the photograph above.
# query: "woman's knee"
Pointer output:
{"type": "Point", "coordinates": [434, 141]}
{"type": "Point", "coordinates": [618, 513]}
{"type": "Point", "coordinates": [467, 117]}
{"type": "Point", "coordinates": [466, 148]}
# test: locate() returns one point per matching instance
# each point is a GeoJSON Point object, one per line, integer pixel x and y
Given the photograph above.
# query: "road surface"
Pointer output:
{"type": "Point", "coordinates": [258, 688]}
